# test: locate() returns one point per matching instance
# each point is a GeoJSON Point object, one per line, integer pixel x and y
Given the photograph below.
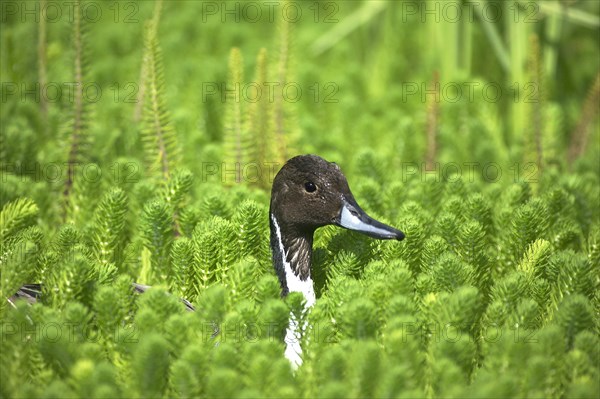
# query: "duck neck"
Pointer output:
{"type": "Point", "coordinates": [292, 255]}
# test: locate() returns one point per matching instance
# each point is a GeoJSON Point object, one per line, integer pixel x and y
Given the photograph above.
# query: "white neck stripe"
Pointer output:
{"type": "Point", "coordinates": [293, 281]}
{"type": "Point", "coordinates": [293, 334]}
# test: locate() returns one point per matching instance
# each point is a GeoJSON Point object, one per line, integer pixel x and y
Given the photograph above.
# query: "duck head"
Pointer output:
{"type": "Point", "coordinates": [308, 193]}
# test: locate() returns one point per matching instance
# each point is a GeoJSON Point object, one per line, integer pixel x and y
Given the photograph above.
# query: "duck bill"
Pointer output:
{"type": "Point", "coordinates": [352, 217]}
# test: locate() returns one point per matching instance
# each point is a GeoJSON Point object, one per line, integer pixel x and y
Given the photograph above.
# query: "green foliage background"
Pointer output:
{"type": "Point", "coordinates": [494, 292]}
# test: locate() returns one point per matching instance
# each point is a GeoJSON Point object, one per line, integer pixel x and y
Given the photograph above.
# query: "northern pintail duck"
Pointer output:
{"type": "Point", "coordinates": [309, 192]}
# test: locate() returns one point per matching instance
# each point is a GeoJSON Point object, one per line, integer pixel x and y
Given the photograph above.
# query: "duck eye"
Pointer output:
{"type": "Point", "coordinates": [310, 186]}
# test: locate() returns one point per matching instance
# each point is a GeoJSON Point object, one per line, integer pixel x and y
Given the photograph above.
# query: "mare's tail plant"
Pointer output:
{"type": "Point", "coordinates": [284, 123]}
{"type": "Point", "coordinates": [141, 94]}
{"type": "Point", "coordinates": [534, 133]}
{"type": "Point", "coordinates": [109, 222]}
{"type": "Point", "coordinates": [78, 129]}
{"type": "Point", "coordinates": [157, 231]}
{"type": "Point", "coordinates": [20, 242]}
{"type": "Point", "coordinates": [494, 274]}
{"type": "Point", "coordinates": [158, 133]}
{"type": "Point", "coordinates": [259, 113]}
{"type": "Point", "coordinates": [173, 193]}
{"type": "Point", "coordinates": [235, 139]}
{"type": "Point", "coordinates": [263, 133]}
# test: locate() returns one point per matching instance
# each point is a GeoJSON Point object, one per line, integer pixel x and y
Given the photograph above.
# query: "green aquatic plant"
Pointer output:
{"type": "Point", "coordinates": [79, 138]}
{"type": "Point", "coordinates": [158, 135]}
{"type": "Point", "coordinates": [493, 292]}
